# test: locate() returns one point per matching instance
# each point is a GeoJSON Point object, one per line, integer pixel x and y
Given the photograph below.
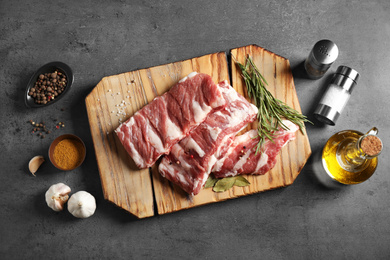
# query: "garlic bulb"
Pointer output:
{"type": "Point", "coordinates": [82, 204]}
{"type": "Point", "coordinates": [56, 196]}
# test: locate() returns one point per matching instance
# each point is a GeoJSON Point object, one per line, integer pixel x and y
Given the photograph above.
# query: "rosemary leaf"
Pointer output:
{"type": "Point", "coordinates": [271, 110]}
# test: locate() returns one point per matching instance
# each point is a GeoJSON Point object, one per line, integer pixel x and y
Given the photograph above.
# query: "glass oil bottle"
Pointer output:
{"type": "Point", "coordinates": [351, 157]}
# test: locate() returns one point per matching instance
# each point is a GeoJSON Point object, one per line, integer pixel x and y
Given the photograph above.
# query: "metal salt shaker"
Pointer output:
{"type": "Point", "coordinates": [321, 57]}
{"type": "Point", "coordinates": [337, 95]}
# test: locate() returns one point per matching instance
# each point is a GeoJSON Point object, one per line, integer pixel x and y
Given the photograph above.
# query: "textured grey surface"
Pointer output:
{"type": "Point", "coordinates": [101, 38]}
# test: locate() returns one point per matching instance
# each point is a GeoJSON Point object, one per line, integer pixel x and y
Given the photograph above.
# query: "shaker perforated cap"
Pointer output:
{"type": "Point", "coordinates": [325, 52]}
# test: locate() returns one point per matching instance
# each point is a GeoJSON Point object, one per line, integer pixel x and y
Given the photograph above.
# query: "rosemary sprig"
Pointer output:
{"type": "Point", "coordinates": [271, 110]}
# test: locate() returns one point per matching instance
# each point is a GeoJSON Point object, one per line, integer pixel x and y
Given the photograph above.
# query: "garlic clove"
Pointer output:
{"type": "Point", "coordinates": [82, 204]}
{"type": "Point", "coordinates": [35, 163]}
{"type": "Point", "coordinates": [57, 195]}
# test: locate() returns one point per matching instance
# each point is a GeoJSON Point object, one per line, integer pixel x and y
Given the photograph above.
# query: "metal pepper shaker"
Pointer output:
{"type": "Point", "coordinates": [321, 57]}
{"type": "Point", "coordinates": [336, 95]}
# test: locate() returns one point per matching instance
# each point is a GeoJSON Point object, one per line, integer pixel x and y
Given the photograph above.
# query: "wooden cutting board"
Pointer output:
{"type": "Point", "coordinates": [118, 97]}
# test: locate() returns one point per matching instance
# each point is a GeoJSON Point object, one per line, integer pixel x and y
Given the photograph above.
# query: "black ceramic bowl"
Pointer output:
{"type": "Point", "coordinates": [49, 68]}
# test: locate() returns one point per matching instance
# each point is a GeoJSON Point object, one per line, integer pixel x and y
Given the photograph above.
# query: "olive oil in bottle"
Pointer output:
{"type": "Point", "coordinates": [350, 157]}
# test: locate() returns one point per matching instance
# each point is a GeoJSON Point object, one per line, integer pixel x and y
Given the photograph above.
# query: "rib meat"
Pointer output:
{"type": "Point", "coordinates": [154, 129]}
{"type": "Point", "coordinates": [191, 160]}
{"type": "Point", "coordinates": [241, 157]}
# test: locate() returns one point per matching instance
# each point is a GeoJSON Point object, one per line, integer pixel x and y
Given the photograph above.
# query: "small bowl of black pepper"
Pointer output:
{"type": "Point", "coordinates": [48, 84]}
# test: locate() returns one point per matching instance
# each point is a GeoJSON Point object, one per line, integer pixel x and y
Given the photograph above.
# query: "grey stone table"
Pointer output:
{"type": "Point", "coordinates": [101, 38]}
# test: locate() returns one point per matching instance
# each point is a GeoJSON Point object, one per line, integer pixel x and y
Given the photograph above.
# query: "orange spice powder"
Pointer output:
{"type": "Point", "coordinates": [68, 153]}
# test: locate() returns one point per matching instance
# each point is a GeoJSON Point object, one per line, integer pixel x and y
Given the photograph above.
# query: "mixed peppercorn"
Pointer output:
{"type": "Point", "coordinates": [41, 130]}
{"type": "Point", "coordinates": [48, 86]}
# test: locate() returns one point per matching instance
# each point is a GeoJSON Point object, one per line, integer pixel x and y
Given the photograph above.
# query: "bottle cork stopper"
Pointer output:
{"type": "Point", "coordinates": [371, 145]}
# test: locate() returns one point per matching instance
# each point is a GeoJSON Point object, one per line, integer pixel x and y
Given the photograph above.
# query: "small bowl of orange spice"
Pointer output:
{"type": "Point", "coordinates": [67, 152]}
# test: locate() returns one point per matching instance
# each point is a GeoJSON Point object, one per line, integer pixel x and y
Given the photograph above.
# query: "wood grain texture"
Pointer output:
{"type": "Point", "coordinates": [132, 189]}
{"type": "Point", "coordinates": [290, 161]}
{"type": "Point", "coordinates": [114, 100]}
{"type": "Point", "coordinates": [170, 197]}
{"type": "Point", "coordinates": [277, 72]}
{"type": "Point", "coordinates": [111, 101]}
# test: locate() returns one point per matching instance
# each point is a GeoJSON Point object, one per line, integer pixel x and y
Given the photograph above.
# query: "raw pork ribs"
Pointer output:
{"type": "Point", "coordinates": [191, 160]}
{"type": "Point", "coordinates": [241, 157]}
{"type": "Point", "coordinates": [153, 130]}
{"type": "Point", "coordinates": [195, 125]}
